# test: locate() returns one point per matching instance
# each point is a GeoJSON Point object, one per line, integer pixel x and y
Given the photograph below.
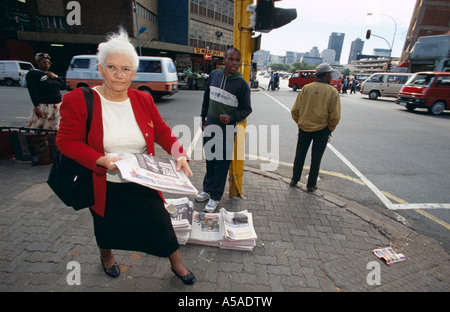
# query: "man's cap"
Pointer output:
{"type": "Point", "coordinates": [323, 68]}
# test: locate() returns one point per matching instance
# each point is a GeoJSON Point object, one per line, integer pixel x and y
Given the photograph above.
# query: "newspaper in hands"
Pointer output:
{"type": "Point", "coordinates": [154, 172]}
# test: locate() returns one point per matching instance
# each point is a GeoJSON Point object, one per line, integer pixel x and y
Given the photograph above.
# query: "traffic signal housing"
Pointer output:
{"type": "Point", "coordinates": [368, 33]}
{"type": "Point", "coordinates": [269, 17]}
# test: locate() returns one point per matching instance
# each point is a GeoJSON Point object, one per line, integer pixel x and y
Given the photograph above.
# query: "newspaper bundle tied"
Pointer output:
{"type": "Point", "coordinates": [154, 172]}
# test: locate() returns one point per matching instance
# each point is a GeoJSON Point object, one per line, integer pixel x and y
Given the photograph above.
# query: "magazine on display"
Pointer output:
{"type": "Point", "coordinates": [154, 172]}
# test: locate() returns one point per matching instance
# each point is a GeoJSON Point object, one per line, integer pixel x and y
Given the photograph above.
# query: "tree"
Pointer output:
{"type": "Point", "coordinates": [279, 67]}
{"type": "Point", "coordinates": [299, 66]}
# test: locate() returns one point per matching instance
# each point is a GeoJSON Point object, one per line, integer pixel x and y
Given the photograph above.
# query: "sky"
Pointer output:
{"type": "Point", "coordinates": [317, 19]}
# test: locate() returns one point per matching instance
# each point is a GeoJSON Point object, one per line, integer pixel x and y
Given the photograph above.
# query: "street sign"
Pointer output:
{"type": "Point", "coordinates": [207, 56]}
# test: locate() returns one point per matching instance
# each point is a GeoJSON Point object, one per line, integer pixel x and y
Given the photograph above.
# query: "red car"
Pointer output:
{"type": "Point", "coordinates": [303, 77]}
{"type": "Point", "coordinates": [430, 90]}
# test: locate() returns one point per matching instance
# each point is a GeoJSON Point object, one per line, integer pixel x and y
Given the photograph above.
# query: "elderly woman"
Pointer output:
{"type": "Point", "coordinates": [44, 88]}
{"type": "Point", "coordinates": [126, 216]}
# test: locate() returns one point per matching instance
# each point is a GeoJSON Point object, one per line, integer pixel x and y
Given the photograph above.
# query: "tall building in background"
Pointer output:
{"type": "Point", "coordinates": [329, 56]}
{"type": "Point", "coordinates": [355, 49]}
{"type": "Point", "coordinates": [336, 42]}
{"type": "Point", "coordinates": [314, 52]}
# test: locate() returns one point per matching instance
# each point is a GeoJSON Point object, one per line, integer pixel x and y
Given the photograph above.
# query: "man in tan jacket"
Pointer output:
{"type": "Point", "coordinates": [316, 111]}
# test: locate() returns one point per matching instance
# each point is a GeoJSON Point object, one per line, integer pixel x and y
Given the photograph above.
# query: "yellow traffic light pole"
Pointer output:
{"type": "Point", "coordinates": [242, 40]}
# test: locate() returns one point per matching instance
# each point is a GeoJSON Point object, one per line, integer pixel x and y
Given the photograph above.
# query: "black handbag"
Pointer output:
{"type": "Point", "coordinates": [71, 181]}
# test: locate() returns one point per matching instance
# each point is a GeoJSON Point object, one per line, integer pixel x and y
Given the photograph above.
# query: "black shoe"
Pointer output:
{"type": "Point", "coordinates": [311, 188]}
{"type": "Point", "coordinates": [188, 279]}
{"type": "Point", "coordinates": [293, 183]}
{"type": "Point", "coordinates": [113, 271]}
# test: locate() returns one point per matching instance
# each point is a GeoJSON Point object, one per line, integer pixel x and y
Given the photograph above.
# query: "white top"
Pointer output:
{"type": "Point", "coordinates": [121, 133]}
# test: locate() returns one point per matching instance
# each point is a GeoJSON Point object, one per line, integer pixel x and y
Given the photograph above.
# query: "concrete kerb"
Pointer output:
{"type": "Point", "coordinates": [387, 226]}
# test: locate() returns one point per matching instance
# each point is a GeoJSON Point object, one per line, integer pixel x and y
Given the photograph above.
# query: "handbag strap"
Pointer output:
{"type": "Point", "coordinates": [89, 97]}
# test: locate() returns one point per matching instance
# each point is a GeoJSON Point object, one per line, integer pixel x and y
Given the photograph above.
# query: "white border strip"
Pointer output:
{"type": "Point", "coordinates": [420, 206]}
{"type": "Point", "coordinates": [371, 186]}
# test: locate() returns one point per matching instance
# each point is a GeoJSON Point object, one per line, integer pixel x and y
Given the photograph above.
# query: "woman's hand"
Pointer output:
{"type": "Point", "coordinates": [107, 162]}
{"type": "Point", "coordinates": [182, 164]}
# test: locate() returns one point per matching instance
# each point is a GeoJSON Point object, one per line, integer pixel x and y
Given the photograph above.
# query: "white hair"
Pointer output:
{"type": "Point", "coordinates": [117, 43]}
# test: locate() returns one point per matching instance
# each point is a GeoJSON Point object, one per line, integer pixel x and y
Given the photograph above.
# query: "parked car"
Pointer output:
{"type": "Point", "coordinates": [384, 84]}
{"type": "Point", "coordinates": [156, 75]}
{"type": "Point", "coordinates": [302, 77]}
{"type": "Point", "coordinates": [430, 90]}
{"type": "Point", "coordinates": [12, 71]}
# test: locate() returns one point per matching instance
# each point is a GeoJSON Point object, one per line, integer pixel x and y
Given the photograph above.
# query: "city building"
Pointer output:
{"type": "Point", "coordinates": [429, 18]}
{"type": "Point", "coordinates": [277, 59]}
{"type": "Point", "coordinates": [366, 65]}
{"type": "Point", "coordinates": [430, 53]}
{"type": "Point", "coordinates": [381, 52]}
{"type": "Point", "coordinates": [355, 49]}
{"type": "Point", "coordinates": [261, 58]}
{"type": "Point", "coordinates": [335, 42]}
{"type": "Point", "coordinates": [184, 30]}
{"type": "Point", "coordinates": [292, 57]}
{"type": "Point", "coordinates": [329, 56]}
{"type": "Point", "coordinates": [311, 60]}
{"type": "Point", "coordinates": [314, 52]}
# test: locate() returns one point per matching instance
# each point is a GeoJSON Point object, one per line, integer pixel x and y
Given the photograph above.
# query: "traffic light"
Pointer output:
{"type": "Point", "coordinates": [269, 17]}
{"type": "Point", "coordinates": [368, 33]}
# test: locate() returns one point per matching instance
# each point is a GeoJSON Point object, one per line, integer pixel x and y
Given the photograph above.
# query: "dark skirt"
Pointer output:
{"type": "Point", "coordinates": [135, 219]}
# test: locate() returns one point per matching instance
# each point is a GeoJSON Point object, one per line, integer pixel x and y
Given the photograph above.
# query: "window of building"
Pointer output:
{"type": "Point", "coordinates": [146, 14]}
{"type": "Point", "coordinates": [221, 11]}
{"type": "Point", "coordinates": [54, 22]}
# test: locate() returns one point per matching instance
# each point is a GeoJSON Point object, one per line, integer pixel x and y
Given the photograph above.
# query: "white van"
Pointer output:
{"type": "Point", "coordinates": [156, 75]}
{"type": "Point", "coordinates": [384, 84]}
{"type": "Point", "coordinates": [12, 71]}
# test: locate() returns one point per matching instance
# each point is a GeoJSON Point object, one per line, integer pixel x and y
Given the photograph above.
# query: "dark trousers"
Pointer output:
{"type": "Point", "coordinates": [319, 143]}
{"type": "Point", "coordinates": [218, 149]}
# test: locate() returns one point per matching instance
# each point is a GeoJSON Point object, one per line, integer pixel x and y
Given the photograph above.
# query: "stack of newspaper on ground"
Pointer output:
{"type": "Point", "coordinates": [154, 172]}
{"type": "Point", "coordinates": [180, 211]}
{"type": "Point", "coordinates": [206, 229]}
{"type": "Point", "coordinates": [223, 230]}
{"type": "Point", "coordinates": [237, 234]}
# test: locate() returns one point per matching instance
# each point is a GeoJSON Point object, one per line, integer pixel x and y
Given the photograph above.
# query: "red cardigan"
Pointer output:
{"type": "Point", "coordinates": [72, 132]}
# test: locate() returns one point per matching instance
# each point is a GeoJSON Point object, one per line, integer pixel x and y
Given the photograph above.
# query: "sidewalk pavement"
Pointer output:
{"type": "Point", "coordinates": [306, 242]}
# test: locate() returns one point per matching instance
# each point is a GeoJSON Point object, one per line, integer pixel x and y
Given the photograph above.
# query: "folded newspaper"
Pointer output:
{"type": "Point", "coordinates": [180, 211]}
{"type": "Point", "coordinates": [237, 235]}
{"type": "Point", "coordinates": [389, 255]}
{"type": "Point", "coordinates": [206, 229]}
{"type": "Point", "coordinates": [154, 172]}
{"type": "Point", "coordinates": [223, 230]}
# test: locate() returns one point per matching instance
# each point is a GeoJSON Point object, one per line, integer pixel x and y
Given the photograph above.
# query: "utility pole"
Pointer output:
{"type": "Point", "coordinates": [265, 17]}
{"type": "Point", "coordinates": [242, 40]}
